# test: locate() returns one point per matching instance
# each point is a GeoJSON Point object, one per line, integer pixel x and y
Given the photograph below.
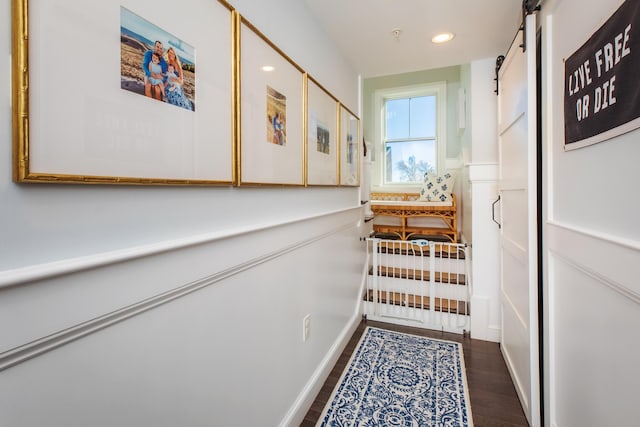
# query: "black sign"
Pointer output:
{"type": "Point", "coordinates": [602, 81]}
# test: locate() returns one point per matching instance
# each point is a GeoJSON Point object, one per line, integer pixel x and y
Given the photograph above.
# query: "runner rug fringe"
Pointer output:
{"type": "Point", "coordinates": [397, 379]}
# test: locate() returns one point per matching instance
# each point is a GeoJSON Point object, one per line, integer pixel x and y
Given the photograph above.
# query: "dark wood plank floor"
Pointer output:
{"type": "Point", "coordinates": [494, 402]}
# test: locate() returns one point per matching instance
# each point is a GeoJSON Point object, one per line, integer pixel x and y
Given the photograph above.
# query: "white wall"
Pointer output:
{"type": "Point", "coordinates": [465, 133]}
{"type": "Point", "coordinates": [125, 305]}
{"type": "Point", "coordinates": [295, 30]}
{"type": "Point", "coordinates": [484, 121]}
{"type": "Point", "coordinates": [480, 189]}
{"type": "Point", "coordinates": [465, 200]}
{"type": "Point", "coordinates": [591, 248]}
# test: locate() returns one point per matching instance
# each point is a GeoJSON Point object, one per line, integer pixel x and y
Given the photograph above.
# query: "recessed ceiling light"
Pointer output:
{"type": "Point", "coordinates": [442, 37]}
{"type": "Point", "coordinates": [268, 68]}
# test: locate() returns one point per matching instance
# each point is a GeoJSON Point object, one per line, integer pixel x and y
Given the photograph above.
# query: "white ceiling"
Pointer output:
{"type": "Point", "coordinates": [363, 31]}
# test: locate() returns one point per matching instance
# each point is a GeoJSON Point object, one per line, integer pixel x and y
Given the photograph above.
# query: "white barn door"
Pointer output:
{"type": "Point", "coordinates": [518, 239]}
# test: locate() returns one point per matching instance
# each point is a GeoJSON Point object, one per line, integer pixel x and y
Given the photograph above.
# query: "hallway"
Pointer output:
{"type": "Point", "coordinates": [169, 267]}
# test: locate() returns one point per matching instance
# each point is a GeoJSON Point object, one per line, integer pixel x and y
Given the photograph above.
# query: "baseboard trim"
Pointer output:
{"type": "Point", "coordinates": [307, 396]}
{"type": "Point", "coordinates": [495, 332]}
{"type": "Point", "coordinates": [481, 327]}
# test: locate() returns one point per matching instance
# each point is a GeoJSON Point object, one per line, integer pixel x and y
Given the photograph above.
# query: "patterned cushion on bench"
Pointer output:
{"type": "Point", "coordinates": [438, 188]}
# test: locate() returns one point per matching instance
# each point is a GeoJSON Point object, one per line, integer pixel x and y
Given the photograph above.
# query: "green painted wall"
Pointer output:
{"type": "Point", "coordinates": [451, 75]}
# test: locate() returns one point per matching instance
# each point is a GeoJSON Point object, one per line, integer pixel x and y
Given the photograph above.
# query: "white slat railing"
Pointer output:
{"type": "Point", "coordinates": [419, 283]}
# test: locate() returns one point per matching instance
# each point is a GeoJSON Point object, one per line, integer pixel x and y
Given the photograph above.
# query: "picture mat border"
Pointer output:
{"type": "Point", "coordinates": [262, 177]}
{"type": "Point", "coordinates": [23, 117]}
{"type": "Point", "coordinates": [335, 136]}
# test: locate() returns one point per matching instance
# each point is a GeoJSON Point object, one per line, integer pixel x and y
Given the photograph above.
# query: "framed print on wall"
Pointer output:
{"type": "Point", "coordinates": [122, 92]}
{"type": "Point", "coordinates": [322, 136]}
{"type": "Point", "coordinates": [271, 100]}
{"type": "Point", "coordinates": [349, 144]}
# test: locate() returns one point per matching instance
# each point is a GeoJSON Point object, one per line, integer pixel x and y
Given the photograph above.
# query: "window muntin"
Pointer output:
{"type": "Point", "coordinates": [409, 138]}
{"type": "Point", "coordinates": [411, 131]}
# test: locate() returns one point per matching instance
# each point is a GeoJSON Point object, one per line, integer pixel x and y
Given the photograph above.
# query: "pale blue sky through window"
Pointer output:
{"type": "Point", "coordinates": [409, 119]}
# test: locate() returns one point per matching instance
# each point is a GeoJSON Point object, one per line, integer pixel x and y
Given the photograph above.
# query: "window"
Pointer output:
{"type": "Point", "coordinates": [411, 130]}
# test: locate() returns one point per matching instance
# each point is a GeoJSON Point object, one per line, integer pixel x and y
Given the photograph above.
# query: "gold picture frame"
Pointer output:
{"type": "Point", "coordinates": [271, 99]}
{"type": "Point", "coordinates": [322, 136]}
{"type": "Point", "coordinates": [75, 122]}
{"type": "Point", "coordinates": [349, 143]}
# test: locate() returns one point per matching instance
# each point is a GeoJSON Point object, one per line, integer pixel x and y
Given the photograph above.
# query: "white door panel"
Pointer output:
{"type": "Point", "coordinates": [517, 356]}
{"type": "Point", "coordinates": [514, 172]}
{"type": "Point", "coordinates": [516, 251]}
{"type": "Point", "coordinates": [513, 93]}
{"type": "Point", "coordinates": [514, 229]}
{"type": "Point", "coordinates": [518, 234]}
{"type": "Point", "coordinates": [516, 295]}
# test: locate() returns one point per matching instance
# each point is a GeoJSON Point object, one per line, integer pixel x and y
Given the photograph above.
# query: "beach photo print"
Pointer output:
{"type": "Point", "coordinates": [154, 63]}
{"type": "Point", "coordinates": [322, 144]}
{"type": "Point", "coordinates": [276, 110]}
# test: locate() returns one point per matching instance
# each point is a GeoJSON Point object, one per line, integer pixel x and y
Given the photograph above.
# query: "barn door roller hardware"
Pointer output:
{"type": "Point", "coordinates": [499, 61]}
{"type": "Point", "coordinates": [528, 7]}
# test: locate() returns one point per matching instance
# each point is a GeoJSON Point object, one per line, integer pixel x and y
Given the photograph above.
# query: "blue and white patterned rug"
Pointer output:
{"type": "Point", "coordinates": [396, 379]}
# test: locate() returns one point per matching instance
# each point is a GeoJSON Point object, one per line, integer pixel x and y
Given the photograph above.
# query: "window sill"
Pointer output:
{"type": "Point", "coordinates": [397, 188]}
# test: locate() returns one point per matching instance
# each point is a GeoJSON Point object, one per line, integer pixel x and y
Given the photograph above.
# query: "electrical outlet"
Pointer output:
{"type": "Point", "coordinates": [306, 324]}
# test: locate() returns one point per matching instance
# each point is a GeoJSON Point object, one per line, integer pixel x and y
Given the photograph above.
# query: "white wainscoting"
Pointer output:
{"type": "Point", "coordinates": [593, 305]}
{"type": "Point", "coordinates": [205, 331]}
{"type": "Point", "coordinates": [485, 277]}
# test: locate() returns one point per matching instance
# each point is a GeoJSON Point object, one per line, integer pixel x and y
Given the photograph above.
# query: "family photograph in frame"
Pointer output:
{"type": "Point", "coordinates": [112, 124]}
{"type": "Point", "coordinates": [155, 63]}
{"type": "Point", "coordinates": [276, 117]}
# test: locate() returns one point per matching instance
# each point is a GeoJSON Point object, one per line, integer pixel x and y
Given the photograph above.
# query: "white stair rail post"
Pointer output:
{"type": "Point", "coordinates": [459, 252]}
{"type": "Point", "coordinates": [432, 280]}
{"type": "Point", "coordinates": [468, 285]}
{"type": "Point", "coordinates": [375, 275]}
{"type": "Point", "coordinates": [451, 295]}
{"type": "Point", "coordinates": [423, 292]}
{"type": "Point", "coordinates": [422, 244]}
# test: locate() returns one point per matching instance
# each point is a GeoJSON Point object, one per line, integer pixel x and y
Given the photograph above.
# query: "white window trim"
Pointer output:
{"type": "Point", "coordinates": [377, 166]}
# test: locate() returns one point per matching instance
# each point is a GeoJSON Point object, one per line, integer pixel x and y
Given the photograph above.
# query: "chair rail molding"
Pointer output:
{"type": "Point", "coordinates": [582, 249]}
{"type": "Point", "coordinates": [74, 265]}
{"type": "Point", "coordinates": [482, 172]}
